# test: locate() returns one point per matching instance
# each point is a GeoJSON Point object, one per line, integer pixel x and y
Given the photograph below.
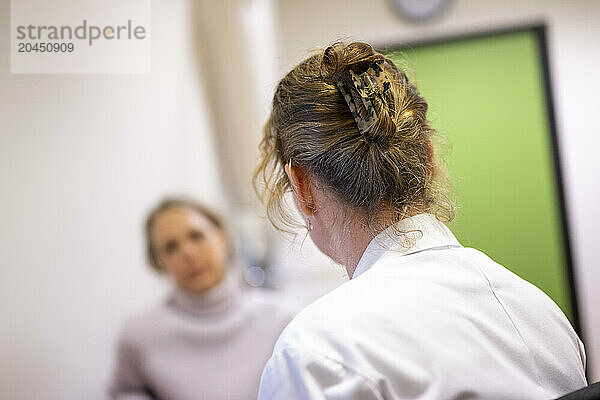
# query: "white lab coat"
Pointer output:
{"type": "Point", "coordinates": [425, 318]}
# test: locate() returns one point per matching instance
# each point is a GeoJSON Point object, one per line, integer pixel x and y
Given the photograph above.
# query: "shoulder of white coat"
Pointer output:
{"type": "Point", "coordinates": [499, 275]}
{"type": "Point", "coordinates": [531, 296]}
{"type": "Point", "coordinates": [295, 373]}
{"type": "Point", "coordinates": [405, 287]}
{"type": "Point", "coordinates": [317, 326]}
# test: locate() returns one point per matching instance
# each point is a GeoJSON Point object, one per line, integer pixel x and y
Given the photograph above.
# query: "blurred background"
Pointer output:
{"type": "Point", "coordinates": [83, 157]}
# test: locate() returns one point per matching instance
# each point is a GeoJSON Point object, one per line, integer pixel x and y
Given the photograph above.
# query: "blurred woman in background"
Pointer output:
{"type": "Point", "coordinates": [210, 339]}
{"type": "Point", "coordinates": [422, 317]}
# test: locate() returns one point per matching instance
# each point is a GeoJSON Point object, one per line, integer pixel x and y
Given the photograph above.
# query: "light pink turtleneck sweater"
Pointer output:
{"type": "Point", "coordinates": [194, 347]}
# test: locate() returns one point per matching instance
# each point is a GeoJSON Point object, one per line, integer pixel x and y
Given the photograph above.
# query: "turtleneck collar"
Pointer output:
{"type": "Point", "coordinates": [214, 301]}
{"type": "Point", "coordinates": [410, 235]}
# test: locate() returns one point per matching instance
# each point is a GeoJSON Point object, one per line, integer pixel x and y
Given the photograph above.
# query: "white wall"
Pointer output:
{"type": "Point", "coordinates": [573, 31]}
{"type": "Point", "coordinates": [82, 158]}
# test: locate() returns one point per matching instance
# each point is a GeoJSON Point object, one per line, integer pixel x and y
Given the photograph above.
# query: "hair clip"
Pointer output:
{"type": "Point", "coordinates": [370, 84]}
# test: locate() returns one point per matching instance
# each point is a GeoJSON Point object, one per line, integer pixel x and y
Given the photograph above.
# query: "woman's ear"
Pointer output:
{"type": "Point", "coordinates": [302, 188]}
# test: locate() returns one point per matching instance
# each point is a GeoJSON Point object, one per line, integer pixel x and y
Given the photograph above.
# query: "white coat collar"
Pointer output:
{"type": "Point", "coordinates": [410, 235]}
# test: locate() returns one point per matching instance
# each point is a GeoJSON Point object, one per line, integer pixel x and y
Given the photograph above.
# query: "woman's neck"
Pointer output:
{"type": "Point", "coordinates": [213, 300]}
{"type": "Point", "coordinates": [348, 241]}
{"type": "Point", "coordinates": [352, 238]}
{"type": "Point", "coordinates": [352, 249]}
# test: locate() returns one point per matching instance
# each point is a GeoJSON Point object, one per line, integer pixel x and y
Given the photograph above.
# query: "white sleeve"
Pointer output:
{"type": "Point", "coordinates": [292, 374]}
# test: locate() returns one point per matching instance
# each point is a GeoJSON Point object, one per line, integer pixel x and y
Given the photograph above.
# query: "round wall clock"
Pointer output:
{"type": "Point", "coordinates": [419, 10]}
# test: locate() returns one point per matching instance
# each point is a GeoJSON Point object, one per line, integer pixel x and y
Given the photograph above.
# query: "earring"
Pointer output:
{"type": "Point", "coordinates": [309, 226]}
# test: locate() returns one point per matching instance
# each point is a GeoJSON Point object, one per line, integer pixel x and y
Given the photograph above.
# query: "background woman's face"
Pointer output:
{"type": "Point", "coordinates": [190, 248]}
